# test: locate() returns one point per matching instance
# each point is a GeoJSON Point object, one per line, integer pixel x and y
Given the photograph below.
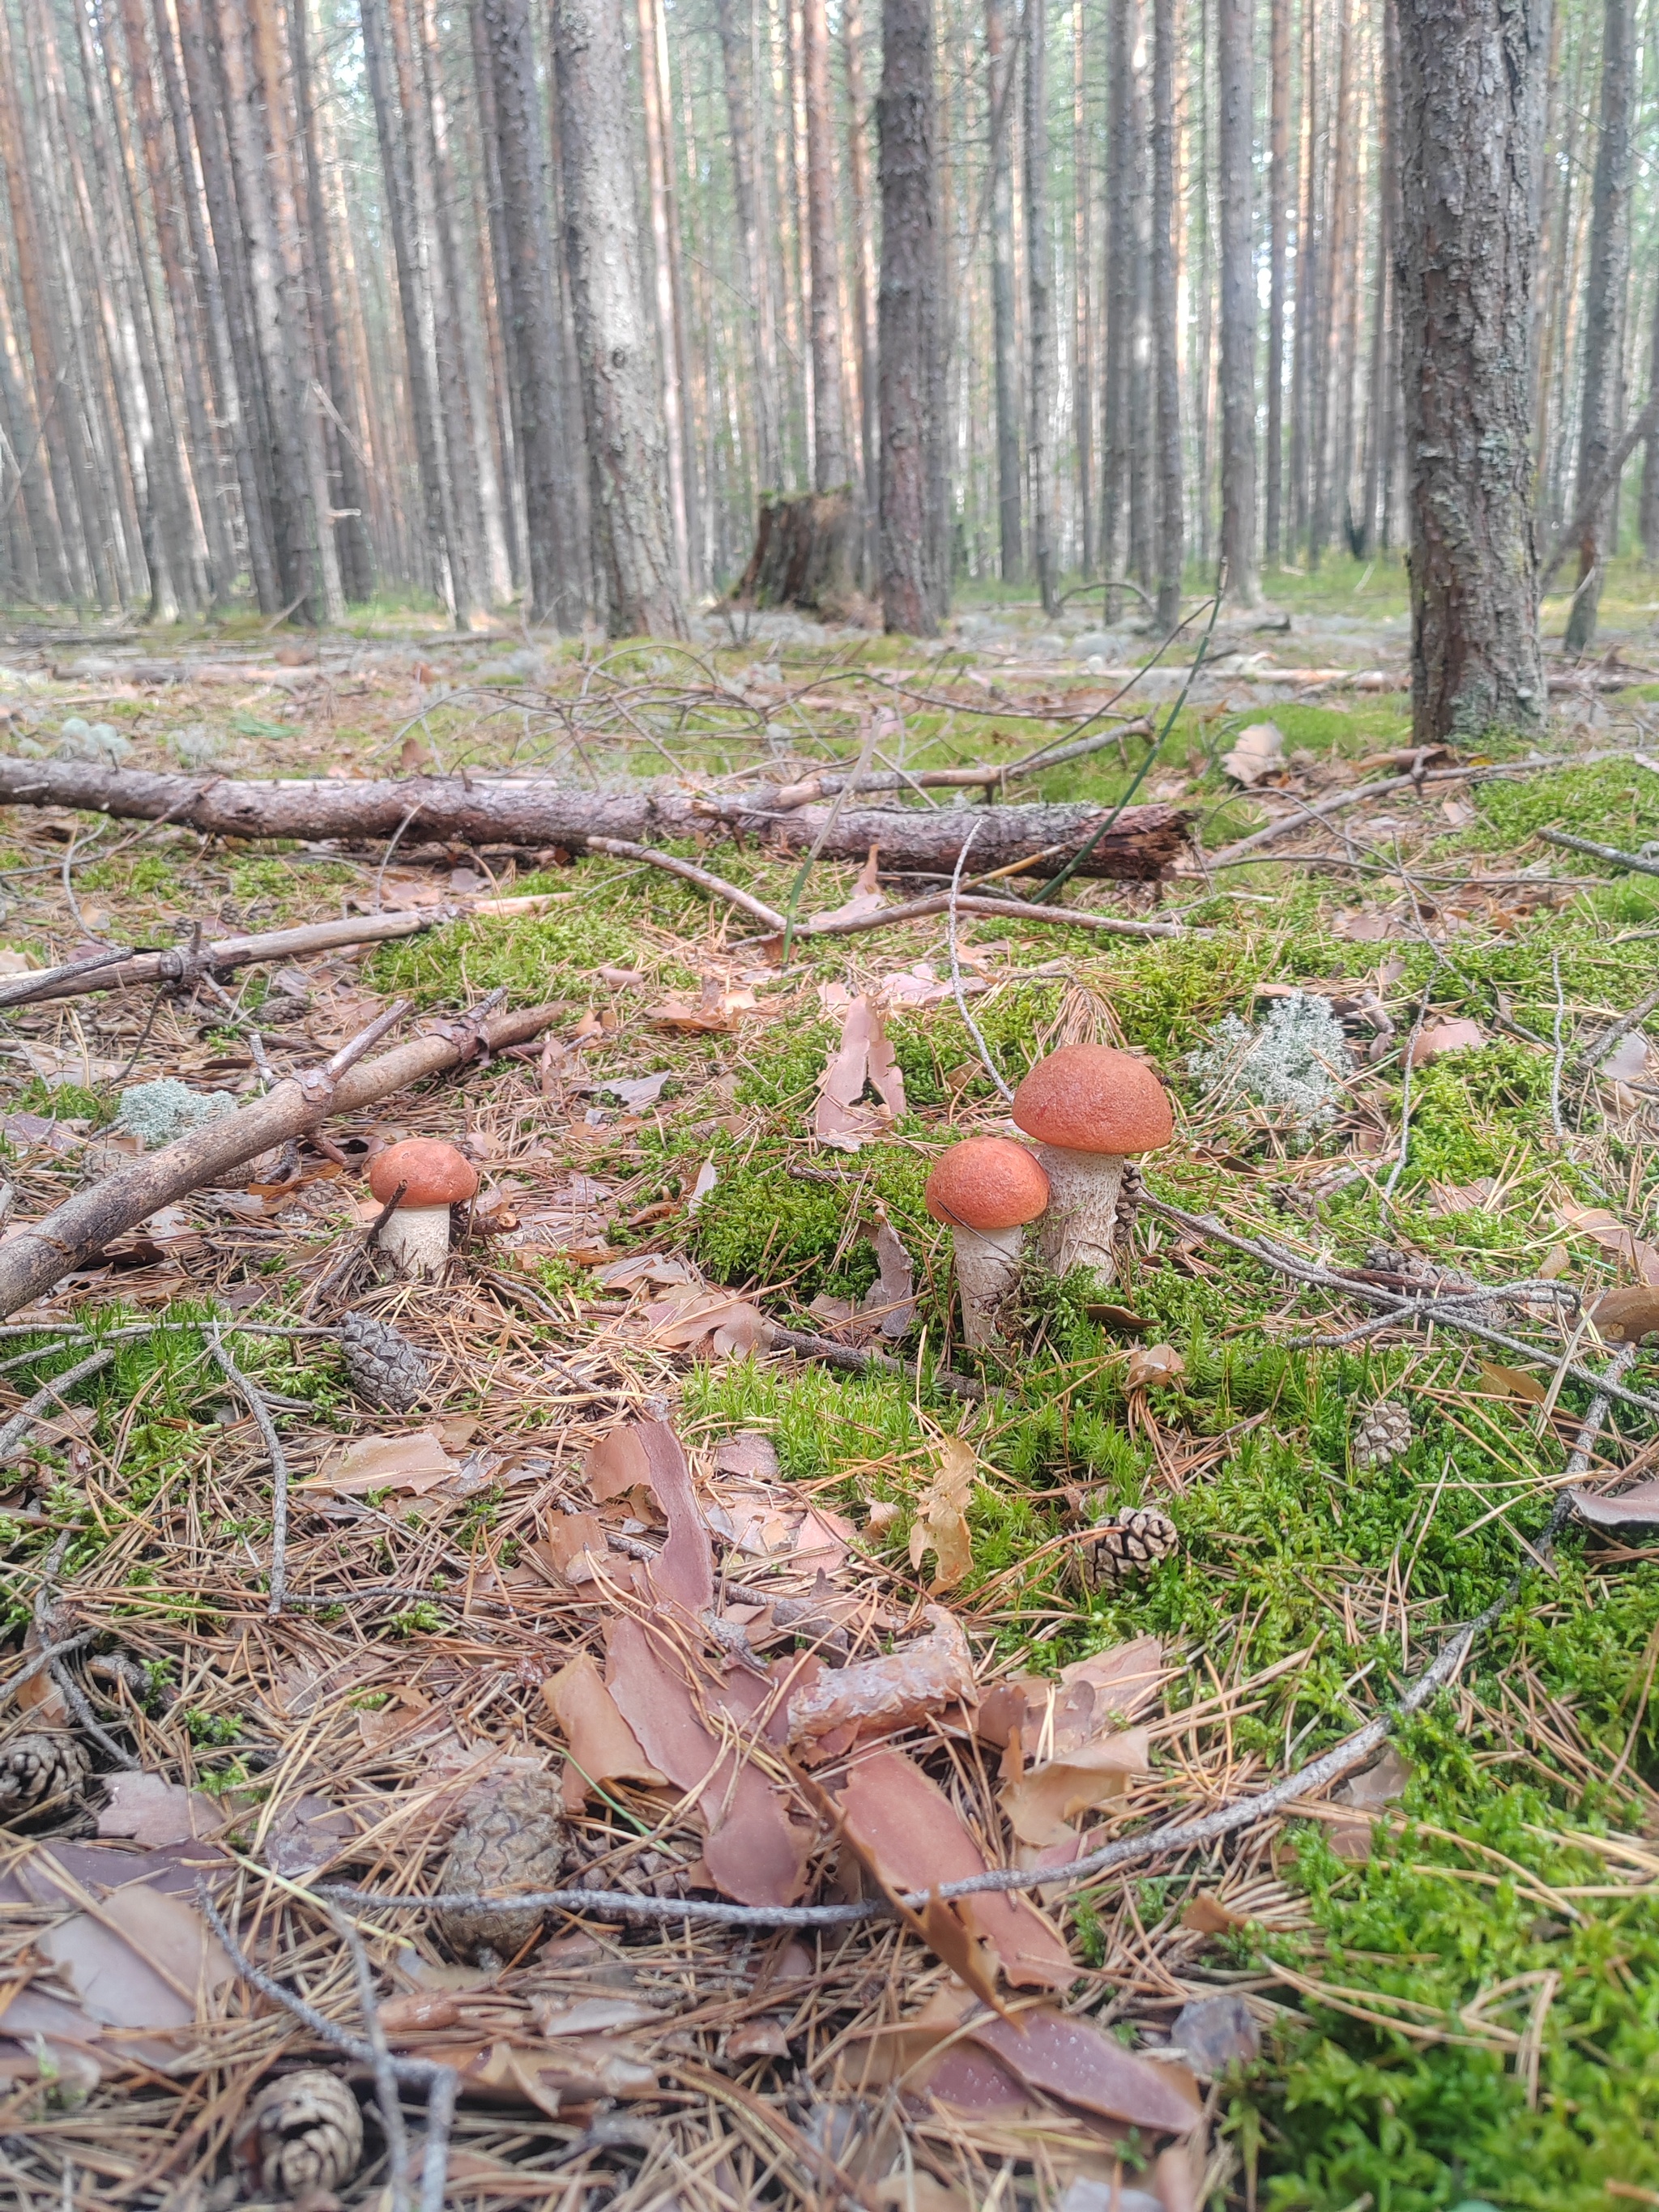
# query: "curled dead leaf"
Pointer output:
{"type": "Point", "coordinates": [1149, 1366]}
{"type": "Point", "coordinates": [941, 1523]}
{"type": "Point", "coordinates": [1436, 1039]}
{"type": "Point", "coordinates": [1628, 1316]}
{"type": "Point", "coordinates": [1257, 752]}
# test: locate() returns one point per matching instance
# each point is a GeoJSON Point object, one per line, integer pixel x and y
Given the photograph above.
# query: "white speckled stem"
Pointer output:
{"type": "Point", "coordinates": [987, 1260]}
{"type": "Point", "coordinates": [417, 1240]}
{"type": "Point", "coordinates": [1077, 1230]}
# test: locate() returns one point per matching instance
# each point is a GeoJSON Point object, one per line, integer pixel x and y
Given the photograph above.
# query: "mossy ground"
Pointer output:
{"type": "Point", "coordinates": [1490, 1884]}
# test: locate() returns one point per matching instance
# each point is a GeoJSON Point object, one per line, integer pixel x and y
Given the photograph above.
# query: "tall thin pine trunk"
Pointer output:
{"type": "Point", "coordinates": [1606, 283]}
{"type": "Point", "coordinates": [910, 328]}
{"type": "Point", "coordinates": [864, 262]}
{"type": "Point", "coordinates": [1119, 300]}
{"type": "Point", "coordinates": [1005, 337]}
{"type": "Point", "coordinates": [1279, 228]}
{"type": "Point", "coordinates": [1083, 360]}
{"type": "Point", "coordinates": [1470, 86]}
{"type": "Point", "coordinates": [830, 466]}
{"type": "Point", "coordinates": [1649, 513]}
{"type": "Point", "coordinates": [1039, 293]}
{"type": "Point", "coordinates": [1307, 290]}
{"type": "Point", "coordinates": [631, 524]}
{"type": "Point", "coordinates": [736, 62]}
{"type": "Point", "coordinates": [1234, 44]}
{"type": "Point", "coordinates": [670, 348]}
{"type": "Point", "coordinates": [1171, 521]}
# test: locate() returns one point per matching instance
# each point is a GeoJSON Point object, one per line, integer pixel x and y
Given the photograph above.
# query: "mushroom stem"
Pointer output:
{"type": "Point", "coordinates": [987, 1260]}
{"type": "Point", "coordinates": [1078, 1228]}
{"type": "Point", "coordinates": [417, 1240]}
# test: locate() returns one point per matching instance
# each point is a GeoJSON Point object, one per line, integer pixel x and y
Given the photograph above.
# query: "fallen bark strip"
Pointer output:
{"type": "Point", "coordinates": [184, 963]}
{"type": "Point", "coordinates": [36, 1254]}
{"type": "Point", "coordinates": [1634, 861]}
{"type": "Point", "coordinates": [531, 811]}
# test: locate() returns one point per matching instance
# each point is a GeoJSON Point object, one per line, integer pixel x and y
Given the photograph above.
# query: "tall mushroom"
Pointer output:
{"type": "Point", "coordinates": [434, 1176]}
{"type": "Point", "coordinates": [985, 1190]}
{"type": "Point", "coordinates": [1088, 1108]}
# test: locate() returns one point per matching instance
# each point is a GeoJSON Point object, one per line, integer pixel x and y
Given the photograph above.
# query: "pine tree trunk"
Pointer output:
{"type": "Point", "coordinates": [1469, 113]}
{"type": "Point", "coordinates": [253, 438]}
{"type": "Point", "coordinates": [829, 465]}
{"type": "Point", "coordinates": [529, 309]}
{"type": "Point", "coordinates": [447, 571]}
{"type": "Point", "coordinates": [909, 332]}
{"type": "Point", "coordinates": [1279, 214]}
{"type": "Point", "coordinates": [1005, 329]}
{"type": "Point", "coordinates": [669, 352]}
{"type": "Point", "coordinates": [631, 526]}
{"type": "Point", "coordinates": [1171, 523]}
{"type": "Point", "coordinates": [355, 550]}
{"type": "Point", "coordinates": [1379, 415]}
{"type": "Point", "coordinates": [1606, 282]}
{"type": "Point", "coordinates": [1650, 508]}
{"type": "Point", "coordinates": [684, 359]}
{"type": "Point", "coordinates": [1039, 292]}
{"type": "Point", "coordinates": [864, 269]}
{"type": "Point", "coordinates": [1083, 369]}
{"type": "Point", "coordinates": [736, 59]}
{"type": "Point", "coordinates": [1121, 165]}
{"type": "Point", "coordinates": [1234, 23]}
{"type": "Point", "coordinates": [1143, 408]}
{"type": "Point", "coordinates": [1307, 292]}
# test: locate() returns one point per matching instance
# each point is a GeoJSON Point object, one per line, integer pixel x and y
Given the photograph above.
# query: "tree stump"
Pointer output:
{"type": "Point", "coordinates": [807, 554]}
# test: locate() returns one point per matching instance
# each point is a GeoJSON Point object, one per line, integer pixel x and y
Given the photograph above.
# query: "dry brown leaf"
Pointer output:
{"type": "Point", "coordinates": [720, 1008]}
{"type": "Point", "coordinates": [407, 1712]}
{"type": "Point", "coordinates": [752, 1853]}
{"type": "Point", "coordinates": [147, 1961]}
{"type": "Point", "coordinates": [1636, 1508]}
{"type": "Point", "coordinates": [1257, 752]}
{"type": "Point", "coordinates": [1088, 1700]}
{"type": "Point", "coordinates": [863, 1057]}
{"type": "Point", "coordinates": [575, 1546]}
{"type": "Point", "coordinates": [1042, 1805]}
{"type": "Point", "coordinates": [1068, 2057]}
{"type": "Point", "coordinates": [693, 1314]}
{"type": "Point", "coordinates": [1439, 1038]}
{"type": "Point", "coordinates": [907, 1832]}
{"type": "Point", "coordinates": [1513, 1382]}
{"type": "Point", "coordinates": [941, 1523]}
{"type": "Point", "coordinates": [416, 1462]}
{"type": "Point", "coordinates": [867, 896]}
{"type": "Point", "coordinates": [1383, 1783]}
{"type": "Point", "coordinates": [647, 1454]}
{"type": "Point", "coordinates": [1149, 1366]}
{"type": "Point", "coordinates": [602, 1747]}
{"type": "Point", "coordinates": [749, 1454]}
{"type": "Point", "coordinates": [1628, 1060]}
{"type": "Point", "coordinates": [149, 1810]}
{"type": "Point", "coordinates": [1610, 1233]}
{"type": "Point", "coordinates": [1206, 1915]}
{"type": "Point", "coordinates": [896, 1690]}
{"type": "Point", "coordinates": [577, 2071]}
{"type": "Point", "coordinates": [1628, 1316]}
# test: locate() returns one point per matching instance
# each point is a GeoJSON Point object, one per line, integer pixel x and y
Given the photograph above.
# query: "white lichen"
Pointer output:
{"type": "Point", "coordinates": [79, 739]}
{"type": "Point", "coordinates": [1293, 1064]}
{"type": "Point", "coordinates": [197, 745]}
{"type": "Point", "coordinates": [156, 1113]}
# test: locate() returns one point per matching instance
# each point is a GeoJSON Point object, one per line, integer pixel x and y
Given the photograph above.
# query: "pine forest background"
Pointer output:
{"type": "Point", "coordinates": [247, 247]}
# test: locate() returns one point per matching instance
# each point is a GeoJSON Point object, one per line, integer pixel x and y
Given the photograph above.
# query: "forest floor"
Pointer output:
{"type": "Point", "coordinates": [1432, 1987]}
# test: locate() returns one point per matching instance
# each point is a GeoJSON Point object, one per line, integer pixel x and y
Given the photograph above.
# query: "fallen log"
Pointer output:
{"type": "Point", "coordinates": [1142, 845]}
{"type": "Point", "coordinates": [40, 1252]}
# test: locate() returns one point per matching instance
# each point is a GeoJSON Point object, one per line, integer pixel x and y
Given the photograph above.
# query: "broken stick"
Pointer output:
{"type": "Point", "coordinates": [36, 1254]}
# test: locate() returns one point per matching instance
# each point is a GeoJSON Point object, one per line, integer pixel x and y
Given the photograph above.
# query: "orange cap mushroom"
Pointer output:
{"type": "Point", "coordinates": [987, 1183]}
{"type": "Point", "coordinates": [1089, 1098]}
{"type": "Point", "coordinates": [434, 1174]}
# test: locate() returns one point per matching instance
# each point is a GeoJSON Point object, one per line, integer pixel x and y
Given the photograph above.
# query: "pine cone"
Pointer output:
{"type": "Point", "coordinates": [303, 2132]}
{"type": "Point", "coordinates": [1384, 1433]}
{"type": "Point", "coordinates": [37, 1768]}
{"type": "Point", "coordinates": [385, 1367]}
{"type": "Point", "coordinates": [1123, 1542]}
{"type": "Point", "coordinates": [511, 1837]}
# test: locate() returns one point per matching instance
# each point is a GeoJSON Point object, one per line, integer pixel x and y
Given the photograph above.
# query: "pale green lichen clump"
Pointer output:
{"type": "Point", "coordinates": [158, 1112]}
{"type": "Point", "coordinates": [1294, 1063]}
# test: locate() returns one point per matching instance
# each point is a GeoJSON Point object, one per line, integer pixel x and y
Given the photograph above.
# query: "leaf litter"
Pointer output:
{"type": "Point", "coordinates": [742, 1684]}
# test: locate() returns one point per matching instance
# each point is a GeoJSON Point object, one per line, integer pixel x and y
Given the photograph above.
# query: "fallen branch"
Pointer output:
{"type": "Point", "coordinates": [35, 1255]}
{"type": "Point", "coordinates": [1230, 854]}
{"type": "Point", "coordinates": [854, 1360]}
{"type": "Point", "coordinates": [186, 963]}
{"type": "Point", "coordinates": [257, 1406]}
{"type": "Point", "coordinates": [530, 811]}
{"type": "Point", "coordinates": [1634, 861]}
{"type": "Point", "coordinates": [1597, 491]}
{"type": "Point", "coordinates": [15, 1433]}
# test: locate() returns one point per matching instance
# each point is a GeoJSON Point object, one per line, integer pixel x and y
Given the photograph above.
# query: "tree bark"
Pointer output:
{"type": "Point", "coordinates": [1307, 291]}
{"type": "Point", "coordinates": [530, 812]}
{"type": "Point", "coordinates": [736, 59]}
{"type": "Point", "coordinates": [1234, 62]}
{"type": "Point", "coordinates": [1121, 259]}
{"type": "Point", "coordinates": [1280, 188]}
{"type": "Point", "coordinates": [1469, 111]}
{"type": "Point", "coordinates": [1005, 338]}
{"type": "Point", "coordinates": [909, 332]}
{"type": "Point", "coordinates": [631, 525]}
{"type": "Point", "coordinates": [1650, 508]}
{"type": "Point", "coordinates": [1083, 369]}
{"type": "Point", "coordinates": [1039, 292]}
{"type": "Point", "coordinates": [672, 385]}
{"type": "Point", "coordinates": [1606, 281]}
{"type": "Point", "coordinates": [530, 319]}
{"type": "Point", "coordinates": [864, 266]}
{"type": "Point", "coordinates": [829, 465]}
{"type": "Point", "coordinates": [1171, 523]}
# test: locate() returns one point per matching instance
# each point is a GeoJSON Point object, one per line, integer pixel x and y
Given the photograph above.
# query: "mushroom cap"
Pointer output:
{"type": "Point", "coordinates": [435, 1173]}
{"type": "Point", "coordinates": [1088, 1098]}
{"type": "Point", "coordinates": [987, 1183]}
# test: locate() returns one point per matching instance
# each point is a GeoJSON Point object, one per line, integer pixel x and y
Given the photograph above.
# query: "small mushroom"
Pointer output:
{"type": "Point", "coordinates": [1088, 1108]}
{"type": "Point", "coordinates": [434, 1176]}
{"type": "Point", "coordinates": [985, 1190]}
